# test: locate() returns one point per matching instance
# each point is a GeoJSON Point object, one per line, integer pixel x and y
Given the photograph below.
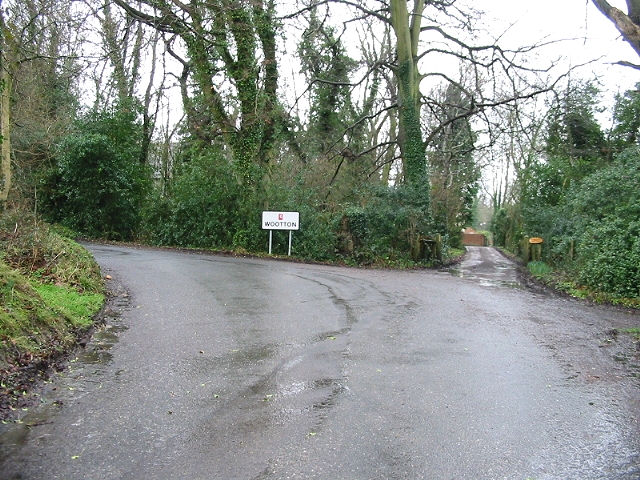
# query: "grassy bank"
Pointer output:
{"type": "Point", "coordinates": [50, 289]}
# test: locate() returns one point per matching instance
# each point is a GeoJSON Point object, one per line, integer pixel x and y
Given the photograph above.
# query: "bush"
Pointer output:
{"type": "Point", "coordinates": [609, 257]}
{"type": "Point", "coordinates": [387, 227]}
{"type": "Point", "coordinates": [317, 238]}
{"type": "Point", "coordinates": [99, 184]}
{"type": "Point", "coordinates": [202, 210]}
{"type": "Point", "coordinates": [600, 217]}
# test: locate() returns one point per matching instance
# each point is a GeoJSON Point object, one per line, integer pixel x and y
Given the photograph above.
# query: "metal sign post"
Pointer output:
{"type": "Point", "coordinates": [280, 221]}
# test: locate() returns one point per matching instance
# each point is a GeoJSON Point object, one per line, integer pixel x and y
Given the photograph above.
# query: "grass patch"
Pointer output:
{"type": "Point", "coordinates": [560, 281]}
{"type": "Point", "coordinates": [77, 308]}
{"type": "Point", "coordinates": [38, 320]}
{"type": "Point", "coordinates": [634, 332]}
{"type": "Point", "coordinates": [456, 252]}
{"type": "Point", "coordinates": [39, 252]}
{"type": "Point", "coordinates": [27, 325]}
{"type": "Point", "coordinates": [539, 269]}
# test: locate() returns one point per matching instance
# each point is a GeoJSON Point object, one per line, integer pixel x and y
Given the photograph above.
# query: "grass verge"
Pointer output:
{"type": "Point", "coordinates": [50, 290]}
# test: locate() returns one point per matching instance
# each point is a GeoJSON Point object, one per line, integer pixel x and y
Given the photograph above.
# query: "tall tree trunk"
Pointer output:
{"type": "Point", "coordinates": [5, 113]}
{"type": "Point", "coordinates": [5, 133]}
{"type": "Point", "coordinates": [407, 30]}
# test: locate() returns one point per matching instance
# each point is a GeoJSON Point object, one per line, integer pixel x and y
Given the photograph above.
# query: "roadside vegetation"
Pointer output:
{"type": "Point", "coordinates": [582, 197]}
{"type": "Point", "coordinates": [50, 290]}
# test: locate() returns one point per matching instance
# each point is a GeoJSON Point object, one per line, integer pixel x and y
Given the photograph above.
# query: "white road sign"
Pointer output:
{"type": "Point", "coordinates": [280, 220]}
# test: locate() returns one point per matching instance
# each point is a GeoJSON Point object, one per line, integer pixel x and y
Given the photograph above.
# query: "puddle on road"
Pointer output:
{"type": "Point", "coordinates": [63, 388]}
{"type": "Point", "coordinates": [500, 275]}
{"type": "Point", "coordinates": [98, 350]}
{"type": "Point", "coordinates": [504, 276]}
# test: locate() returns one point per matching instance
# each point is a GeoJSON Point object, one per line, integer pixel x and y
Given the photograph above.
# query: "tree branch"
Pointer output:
{"type": "Point", "coordinates": [626, 24]}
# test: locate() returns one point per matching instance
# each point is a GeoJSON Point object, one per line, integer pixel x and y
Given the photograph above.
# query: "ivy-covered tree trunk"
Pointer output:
{"type": "Point", "coordinates": [406, 27]}
{"type": "Point", "coordinates": [407, 31]}
{"type": "Point", "coordinates": [231, 59]}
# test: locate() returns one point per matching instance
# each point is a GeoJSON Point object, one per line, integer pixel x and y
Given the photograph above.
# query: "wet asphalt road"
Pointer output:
{"type": "Point", "coordinates": [230, 368]}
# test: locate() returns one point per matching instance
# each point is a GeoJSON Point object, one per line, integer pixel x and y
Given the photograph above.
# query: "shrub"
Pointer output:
{"type": "Point", "coordinates": [387, 227]}
{"type": "Point", "coordinates": [609, 257]}
{"type": "Point", "coordinates": [99, 184]}
{"type": "Point", "coordinates": [600, 216]}
{"type": "Point", "coordinates": [202, 210]}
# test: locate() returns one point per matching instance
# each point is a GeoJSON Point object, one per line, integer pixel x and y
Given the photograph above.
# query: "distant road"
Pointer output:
{"type": "Point", "coordinates": [488, 266]}
{"type": "Point", "coordinates": [231, 368]}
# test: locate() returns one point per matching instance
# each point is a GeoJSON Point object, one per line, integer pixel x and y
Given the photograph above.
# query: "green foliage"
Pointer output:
{"type": "Point", "coordinates": [99, 184]}
{"type": "Point", "coordinates": [597, 221]}
{"type": "Point", "coordinates": [605, 218]}
{"type": "Point", "coordinates": [575, 148]}
{"type": "Point", "coordinates": [208, 208]}
{"type": "Point", "coordinates": [387, 227]}
{"type": "Point", "coordinates": [411, 144]}
{"type": "Point", "coordinates": [327, 66]}
{"type": "Point", "coordinates": [455, 176]}
{"type": "Point", "coordinates": [609, 257]}
{"type": "Point", "coordinates": [544, 184]}
{"type": "Point", "coordinates": [203, 208]}
{"type": "Point", "coordinates": [584, 205]}
{"type": "Point", "coordinates": [574, 134]}
{"type": "Point", "coordinates": [317, 237]}
{"type": "Point", "coordinates": [506, 227]}
{"type": "Point", "coordinates": [626, 115]}
{"type": "Point", "coordinates": [610, 192]}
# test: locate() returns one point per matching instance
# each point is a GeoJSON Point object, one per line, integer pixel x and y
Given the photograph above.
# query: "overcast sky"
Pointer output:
{"type": "Point", "coordinates": [557, 19]}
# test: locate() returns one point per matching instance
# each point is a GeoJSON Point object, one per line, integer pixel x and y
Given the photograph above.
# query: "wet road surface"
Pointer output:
{"type": "Point", "coordinates": [228, 368]}
{"type": "Point", "coordinates": [488, 267]}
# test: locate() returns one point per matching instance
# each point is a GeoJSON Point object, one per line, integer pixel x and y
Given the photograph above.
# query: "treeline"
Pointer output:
{"type": "Point", "coordinates": [580, 192]}
{"type": "Point", "coordinates": [97, 189]}
{"type": "Point", "coordinates": [373, 164]}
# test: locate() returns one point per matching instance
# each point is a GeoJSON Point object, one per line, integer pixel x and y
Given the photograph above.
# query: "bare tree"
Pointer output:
{"type": "Point", "coordinates": [40, 43]}
{"type": "Point", "coordinates": [429, 41]}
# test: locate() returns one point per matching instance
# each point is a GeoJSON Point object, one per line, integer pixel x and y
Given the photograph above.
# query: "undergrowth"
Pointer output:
{"type": "Point", "coordinates": [50, 289]}
{"type": "Point", "coordinates": [563, 281]}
